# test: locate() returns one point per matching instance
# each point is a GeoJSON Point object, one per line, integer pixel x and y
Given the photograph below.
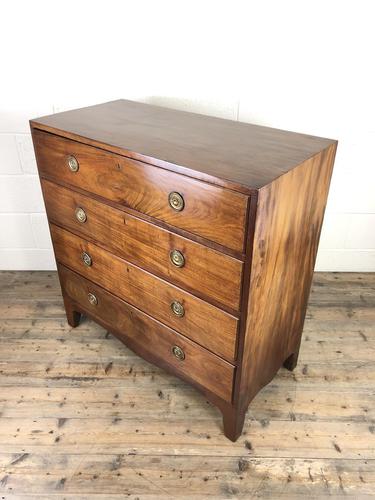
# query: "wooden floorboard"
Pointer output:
{"type": "Point", "coordinates": [82, 417]}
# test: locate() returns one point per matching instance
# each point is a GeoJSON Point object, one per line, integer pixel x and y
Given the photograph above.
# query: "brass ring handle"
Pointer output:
{"type": "Point", "coordinates": [73, 163]}
{"type": "Point", "coordinates": [177, 258]}
{"type": "Point", "coordinates": [176, 201]}
{"type": "Point", "coordinates": [92, 299]}
{"type": "Point", "coordinates": [87, 260]}
{"type": "Point", "coordinates": [80, 215]}
{"type": "Point", "coordinates": [177, 308]}
{"type": "Point", "coordinates": [178, 352]}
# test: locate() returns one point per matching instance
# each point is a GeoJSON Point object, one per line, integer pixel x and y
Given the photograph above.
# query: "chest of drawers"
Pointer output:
{"type": "Point", "coordinates": [192, 239]}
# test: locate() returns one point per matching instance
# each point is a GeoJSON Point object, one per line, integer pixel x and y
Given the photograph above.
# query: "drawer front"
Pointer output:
{"type": "Point", "coordinates": [202, 322]}
{"type": "Point", "coordinates": [198, 364]}
{"type": "Point", "coordinates": [208, 211]}
{"type": "Point", "coordinates": [211, 274]}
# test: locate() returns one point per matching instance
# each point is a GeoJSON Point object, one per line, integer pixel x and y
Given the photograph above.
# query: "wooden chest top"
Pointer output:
{"type": "Point", "coordinates": [241, 156]}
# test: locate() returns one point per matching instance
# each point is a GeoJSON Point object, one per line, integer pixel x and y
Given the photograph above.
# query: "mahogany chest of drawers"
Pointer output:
{"type": "Point", "coordinates": [193, 239]}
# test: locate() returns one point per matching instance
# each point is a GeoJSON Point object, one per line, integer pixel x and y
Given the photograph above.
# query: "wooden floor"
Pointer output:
{"type": "Point", "coordinates": [82, 417]}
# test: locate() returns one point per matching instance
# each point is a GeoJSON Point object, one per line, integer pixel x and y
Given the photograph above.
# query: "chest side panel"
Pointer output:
{"type": "Point", "coordinates": [288, 223]}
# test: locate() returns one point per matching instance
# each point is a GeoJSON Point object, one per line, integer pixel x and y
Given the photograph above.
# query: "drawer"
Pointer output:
{"type": "Point", "coordinates": [210, 274]}
{"type": "Point", "coordinates": [202, 322]}
{"type": "Point", "coordinates": [208, 211]}
{"type": "Point", "coordinates": [144, 332]}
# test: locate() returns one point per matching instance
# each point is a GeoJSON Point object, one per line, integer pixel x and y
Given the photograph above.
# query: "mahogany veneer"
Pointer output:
{"type": "Point", "coordinates": [193, 239]}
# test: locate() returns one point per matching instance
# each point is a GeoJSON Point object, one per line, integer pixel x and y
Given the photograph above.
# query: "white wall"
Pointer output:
{"type": "Point", "coordinates": [306, 66]}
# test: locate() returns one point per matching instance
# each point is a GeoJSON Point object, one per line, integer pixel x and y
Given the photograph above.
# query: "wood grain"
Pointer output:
{"type": "Point", "coordinates": [232, 154]}
{"type": "Point", "coordinates": [148, 337]}
{"type": "Point", "coordinates": [153, 477]}
{"type": "Point", "coordinates": [212, 212]}
{"type": "Point", "coordinates": [82, 417]}
{"type": "Point", "coordinates": [289, 218]}
{"type": "Point", "coordinates": [207, 273]}
{"type": "Point", "coordinates": [204, 323]}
